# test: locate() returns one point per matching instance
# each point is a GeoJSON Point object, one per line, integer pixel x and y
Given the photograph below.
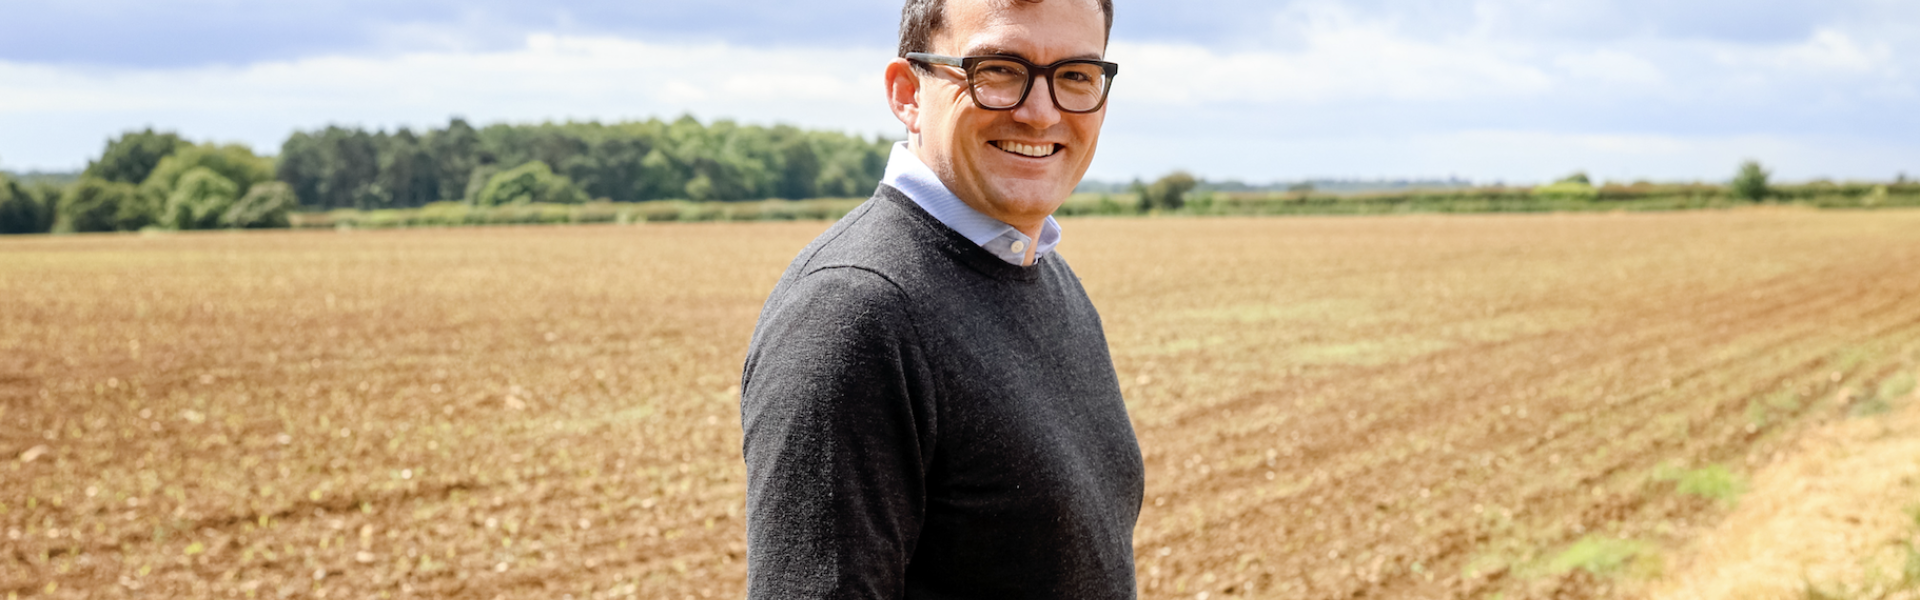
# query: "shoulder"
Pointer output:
{"type": "Point", "coordinates": [874, 236]}
{"type": "Point", "coordinates": [833, 309]}
{"type": "Point", "coordinates": [840, 287]}
{"type": "Point", "coordinates": [826, 329]}
{"type": "Point", "coordinates": [883, 238]}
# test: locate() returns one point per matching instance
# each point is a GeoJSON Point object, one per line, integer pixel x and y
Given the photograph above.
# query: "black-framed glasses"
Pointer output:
{"type": "Point", "coordinates": [1002, 82]}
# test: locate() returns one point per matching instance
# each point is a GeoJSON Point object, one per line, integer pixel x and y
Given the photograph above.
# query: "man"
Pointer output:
{"type": "Point", "coordinates": [929, 407]}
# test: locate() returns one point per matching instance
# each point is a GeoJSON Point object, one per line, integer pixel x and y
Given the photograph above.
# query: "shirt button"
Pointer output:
{"type": "Point", "coordinates": [1019, 246]}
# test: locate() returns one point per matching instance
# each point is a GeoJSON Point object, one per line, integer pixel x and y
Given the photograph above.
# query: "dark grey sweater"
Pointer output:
{"type": "Point", "coordinates": [925, 420]}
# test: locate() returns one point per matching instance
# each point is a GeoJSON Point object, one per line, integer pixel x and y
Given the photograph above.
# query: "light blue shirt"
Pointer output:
{"type": "Point", "coordinates": [906, 173]}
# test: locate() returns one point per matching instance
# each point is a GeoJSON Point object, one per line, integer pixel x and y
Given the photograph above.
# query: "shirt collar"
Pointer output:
{"type": "Point", "coordinates": [906, 173]}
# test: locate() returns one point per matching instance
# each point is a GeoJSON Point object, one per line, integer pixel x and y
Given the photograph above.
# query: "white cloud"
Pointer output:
{"type": "Point", "coordinates": [1828, 51]}
{"type": "Point", "coordinates": [1611, 66]}
{"type": "Point", "coordinates": [1336, 93]}
{"type": "Point", "coordinates": [1328, 56]}
{"type": "Point", "coordinates": [548, 78]}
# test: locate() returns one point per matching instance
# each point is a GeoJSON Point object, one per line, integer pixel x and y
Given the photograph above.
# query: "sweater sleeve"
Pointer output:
{"type": "Point", "coordinates": [837, 423]}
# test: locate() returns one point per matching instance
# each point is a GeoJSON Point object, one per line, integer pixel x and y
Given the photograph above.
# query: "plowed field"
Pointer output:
{"type": "Point", "coordinates": [1418, 407]}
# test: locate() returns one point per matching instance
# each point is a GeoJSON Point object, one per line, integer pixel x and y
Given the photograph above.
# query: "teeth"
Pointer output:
{"type": "Point", "coordinates": [1027, 150]}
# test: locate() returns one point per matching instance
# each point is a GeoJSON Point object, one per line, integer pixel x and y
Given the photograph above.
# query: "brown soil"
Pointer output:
{"type": "Point", "coordinates": [1420, 407]}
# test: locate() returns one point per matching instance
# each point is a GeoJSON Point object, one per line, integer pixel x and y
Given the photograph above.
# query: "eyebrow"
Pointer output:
{"type": "Point", "coordinates": [990, 49]}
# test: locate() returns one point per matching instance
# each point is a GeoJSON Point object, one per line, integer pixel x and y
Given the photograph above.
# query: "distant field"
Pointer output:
{"type": "Point", "coordinates": [1529, 406]}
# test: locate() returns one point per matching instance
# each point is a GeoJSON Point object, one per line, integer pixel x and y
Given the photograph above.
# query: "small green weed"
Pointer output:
{"type": "Point", "coordinates": [1598, 555]}
{"type": "Point", "coordinates": [1784, 400]}
{"type": "Point", "coordinates": [1761, 412]}
{"type": "Point", "coordinates": [1713, 482]}
{"type": "Point", "coordinates": [1757, 414]}
{"type": "Point", "coordinates": [1910, 570]}
{"type": "Point", "coordinates": [1867, 407]}
{"type": "Point", "coordinates": [1809, 591]}
{"type": "Point", "coordinates": [1897, 386]}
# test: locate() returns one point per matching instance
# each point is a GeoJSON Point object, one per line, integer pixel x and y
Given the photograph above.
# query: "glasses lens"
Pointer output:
{"type": "Point", "coordinates": [998, 83]}
{"type": "Point", "coordinates": [1079, 86]}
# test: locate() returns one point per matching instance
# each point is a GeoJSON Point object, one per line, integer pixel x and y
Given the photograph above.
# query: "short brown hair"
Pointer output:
{"type": "Point", "coordinates": [920, 19]}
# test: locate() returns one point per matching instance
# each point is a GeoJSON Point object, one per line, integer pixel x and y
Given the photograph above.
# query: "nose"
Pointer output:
{"type": "Point", "coordinates": [1038, 111]}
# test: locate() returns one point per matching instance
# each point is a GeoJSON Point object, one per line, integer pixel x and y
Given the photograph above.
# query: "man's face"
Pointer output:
{"type": "Point", "coordinates": [986, 156]}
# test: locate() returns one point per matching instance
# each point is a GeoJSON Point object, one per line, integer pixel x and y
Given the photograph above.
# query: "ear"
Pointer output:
{"type": "Point", "coordinates": [903, 93]}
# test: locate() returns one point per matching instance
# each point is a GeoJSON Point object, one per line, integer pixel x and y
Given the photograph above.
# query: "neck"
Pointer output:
{"type": "Point", "coordinates": [1031, 229]}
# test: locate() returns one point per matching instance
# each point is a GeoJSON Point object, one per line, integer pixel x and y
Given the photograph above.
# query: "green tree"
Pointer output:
{"type": "Point", "coordinates": [661, 177]}
{"type": "Point", "coordinates": [332, 168]}
{"type": "Point", "coordinates": [456, 151]}
{"type": "Point", "coordinates": [233, 162]}
{"type": "Point", "coordinates": [531, 182]}
{"type": "Point", "coordinates": [613, 168]}
{"type": "Point", "coordinates": [265, 205]}
{"type": "Point", "coordinates": [95, 204]}
{"type": "Point", "coordinates": [199, 199]}
{"type": "Point", "coordinates": [49, 196]}
{"type": "Point", "coordinates": [836, 181]}
{"type": "Point", "coordinates": [630, 161]}
{"type": "Point", "coordinates": [302, 166]}
{"type": "Point", "coordinates": [353, 163]}
{"type": "Point", "coordinates": [133, 156]}
{"type": "Point", "coordinates": [1571, 187]}
{"type": "Point", "coordinates": [21, 209]}
{"type": "Point", "coordinates": [700, 189]}
{"type": "Point", "coordinates": [407, 176]}
{"type": "Point", "coordinates": [1750, 183]}
{"type": "Point", "coordinates": [799, 166]}
{"type": "Point", "coordinates": [477, 181]}
{"type": "Point", "coordinates": [1166, 193]}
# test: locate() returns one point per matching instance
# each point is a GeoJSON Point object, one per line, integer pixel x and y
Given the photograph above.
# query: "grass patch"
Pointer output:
{"type": "Point", "coordinates": [1910, 569]}
{"type": "Point", "coordinates": [1897, 386]}
{"type": "Point", "coordinates": [1780, 405]}
{"type": "Point", "coordinates": [1600, 555]}
{"type": "Point", "coordinates": [1483, 564]}
{"type": "Point", "coordinates": [1881, 400]}
{"type": "Point", "coordinates": [1869, 407]}
{"type": "Point", "coordinates": [1713, 482]}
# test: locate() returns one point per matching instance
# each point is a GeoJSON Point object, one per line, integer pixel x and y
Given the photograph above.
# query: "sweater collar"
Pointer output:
{"type": "Point", "coordinates": [958, 246]}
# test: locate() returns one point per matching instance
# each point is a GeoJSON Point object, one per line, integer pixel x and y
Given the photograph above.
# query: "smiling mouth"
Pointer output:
{"type": "Point", "coordinates": [1032, 150]}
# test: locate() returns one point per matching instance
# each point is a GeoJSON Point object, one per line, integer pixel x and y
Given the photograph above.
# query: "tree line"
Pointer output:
{"type": "Point", "coordinates": [158, 179]}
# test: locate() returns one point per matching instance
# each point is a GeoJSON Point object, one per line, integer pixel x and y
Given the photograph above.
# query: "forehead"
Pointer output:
{"type": "Point", "coordinates": [1042, 32]}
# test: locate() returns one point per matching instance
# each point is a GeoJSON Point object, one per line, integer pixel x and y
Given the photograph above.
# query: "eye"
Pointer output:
{"type": "Point", "coordinates": [998, 70]}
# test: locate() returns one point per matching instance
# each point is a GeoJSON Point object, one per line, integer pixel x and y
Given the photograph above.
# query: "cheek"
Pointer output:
{"type": "Point", "coordinates": [1087, 127]}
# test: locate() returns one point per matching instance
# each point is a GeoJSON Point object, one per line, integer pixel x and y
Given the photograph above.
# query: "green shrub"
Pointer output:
{"type": "Point", "coordinates": [22, 210]}
{"type": "Point", "coordinates": [132, 157]}
{"type": "Point", "coordinates": [1566, 190]}
{"type": "Point", "coordinates": [266, 205]}
{"type": "Point", "coordinates": [233, 162]}
{"type": "Point", "coordinates": [95, 204]}
{"type": "Point", "coordinates": [531, 183]}
{"type": "Point", "coordinates": [1166, 193]}
{"type": "Point", "coordinates": [200, 197]}
{"type": "Point", "coordinates": [1750, 183]}
{"type": "Point", "coordinates": [1571, 187]}
{"type": "Point", "coordinates": [443, 214]}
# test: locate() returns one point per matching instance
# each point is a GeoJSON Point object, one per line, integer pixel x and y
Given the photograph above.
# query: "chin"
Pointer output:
{"type": "Point", "coordinates": [1027, 197]}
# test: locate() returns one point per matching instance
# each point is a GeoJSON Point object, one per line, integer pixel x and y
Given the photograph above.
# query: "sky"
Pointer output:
{"type": "Point", "coordinates": [1515, 91]}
